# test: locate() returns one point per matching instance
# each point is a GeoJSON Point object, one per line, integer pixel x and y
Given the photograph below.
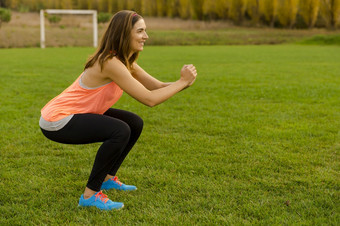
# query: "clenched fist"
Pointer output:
{"type": "Point", "coordinates": [188, 74]}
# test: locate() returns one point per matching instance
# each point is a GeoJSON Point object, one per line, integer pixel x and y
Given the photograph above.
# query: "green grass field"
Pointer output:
{"type": "Point", "coordinates": [255, 141]}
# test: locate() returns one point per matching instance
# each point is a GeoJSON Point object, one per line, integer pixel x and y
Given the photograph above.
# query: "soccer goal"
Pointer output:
{"type": "Point", "coordinates": [67, 11]}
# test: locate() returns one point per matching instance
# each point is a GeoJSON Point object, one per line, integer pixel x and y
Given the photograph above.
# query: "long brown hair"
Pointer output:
{"type": "Point", "coordinates": [116, 40]}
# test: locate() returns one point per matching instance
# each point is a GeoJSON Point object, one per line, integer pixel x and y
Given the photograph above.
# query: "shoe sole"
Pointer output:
{"type": "Point", "coordinates": [79, 206]}
{"type": "Point", "coordinates": [106, 189]}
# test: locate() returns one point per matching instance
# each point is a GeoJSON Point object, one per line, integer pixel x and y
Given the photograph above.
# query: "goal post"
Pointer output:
{"type": "Point", "coordinates": [68, 11]}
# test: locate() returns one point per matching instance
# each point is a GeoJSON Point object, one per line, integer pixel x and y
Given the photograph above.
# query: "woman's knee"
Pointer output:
{"type": "Point", "coordinates": [122, 133]}
{"type": "Point", "coordinates": [138, 122]}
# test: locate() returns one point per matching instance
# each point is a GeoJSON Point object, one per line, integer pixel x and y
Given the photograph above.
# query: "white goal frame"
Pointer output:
{"type": "Point", "coordinates": [68, 11]}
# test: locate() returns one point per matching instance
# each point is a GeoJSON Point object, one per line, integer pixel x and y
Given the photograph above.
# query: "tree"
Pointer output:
{"type": "Point", "coordinates": [172, 8]}
{"type": "Point", "coordinates": [135, 5]}
{"type": "Point", "coordinates": [236, 10]}
{"type": "Point", "coordinates": [5, 15]}
{"type": "Point", "coordinates": [309, 10]}
{"type": "Point", "coordinates": [222, 8]}
{"type": "Point", "coordinates": [330, 11]}
{"type": "Point", "coordinates": [66, 4]}
{"type": "Point", "coordinates": [13, 4]}
{"type": "Point", "coordinates": [3, 3]}
{"type": "Point", "coordinates": [252, 8]}
{"type": "Point", "coordinates": [197, 9]}
{"type": "Point", "coordinates": [184, 9]}
{"type": "Point", "coordinates": [287, 12]}
{"type": "Point", "coordinates": [149, 7]}
{"type": "Point", "coordinates": [112, 6]}
{"type": "Point", "coordinates": [268, 9]}
{"type": "Point", "coordinates": [209, 10]}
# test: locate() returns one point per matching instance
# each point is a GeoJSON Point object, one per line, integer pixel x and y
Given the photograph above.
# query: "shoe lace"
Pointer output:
{"type": "Point", "coordinates": [117, 181]}
{"type": "Point", "coordinates": [102, 197]}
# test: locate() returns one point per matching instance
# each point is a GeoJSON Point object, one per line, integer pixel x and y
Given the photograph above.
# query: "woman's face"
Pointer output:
{"type": "Point", "coordinates": [138, 36]}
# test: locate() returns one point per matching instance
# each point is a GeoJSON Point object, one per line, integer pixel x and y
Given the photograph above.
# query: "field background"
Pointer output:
{"type": "Point", "coordinates": [255, 140]}
{"type": "Point", "coordinates": [24, 31]}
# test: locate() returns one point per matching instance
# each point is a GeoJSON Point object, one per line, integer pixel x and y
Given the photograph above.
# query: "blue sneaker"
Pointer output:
{"type": "Point", "coordinates": [101, 201]}
{"type": "Point", "coordinates": [114, 183]}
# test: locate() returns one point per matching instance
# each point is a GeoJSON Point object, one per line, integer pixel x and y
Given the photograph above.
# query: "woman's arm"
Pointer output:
{"type": "Point", "coordinates": [146, 79]}
{"type": "Point", "coordinates": [117, 72]}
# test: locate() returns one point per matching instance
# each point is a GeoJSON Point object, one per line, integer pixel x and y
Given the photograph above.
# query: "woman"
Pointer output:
{"type": "Point", "coordinates": [81, 114]}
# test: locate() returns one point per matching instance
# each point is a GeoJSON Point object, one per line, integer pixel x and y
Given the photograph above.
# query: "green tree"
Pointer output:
{"type": "Point", "coordinates": [309, 10]}
{"type": "Point", "coordinates": [5, 15]}
{"type": "Point", "coordinates": [103, 17]}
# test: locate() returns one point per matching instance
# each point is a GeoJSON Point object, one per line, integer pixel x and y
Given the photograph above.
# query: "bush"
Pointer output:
{"type": "Point", "coordinates": [5, 15]}
{"type": "Point", "coordinates": [103, 17]}
{"type": "Point", "coordinates": [54, 19]}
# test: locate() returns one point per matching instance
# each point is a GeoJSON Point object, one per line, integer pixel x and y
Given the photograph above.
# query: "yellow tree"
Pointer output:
{"type": "Point", "coordinates": [66, 4]}
{"type": "Point", "coordinates": [222, 8]}
{"type": "Point", "coordinates": [89, 4]}
{"type": "Point", "coordinates": [112, 6]}
{"type": "Point", "coordinates": [149, 7]}
{"type": "Point", "coordinates": [13, 4]}
{"type": "Point", "coordinates": [268, 8]}
{"type": "Point", "coordinates": [102, 5]}
{"type": "Point", "coordinates": [197, 9]}
{"type": "Point", "coordinates": [287, 12]}
{"type": "Point", "coordinates": [309, 10]}
{"type": "Point", "coordinates": [236, 10]}
{"type": "Point", "coordinates": [135, 5]}
{"type": "Point", "coordinates": [210, 9]}
{"type": "Point", "coordinates": [172, 8]}
{"type": "Point", "coordinates": [79, 4]}
{"type": "Point", "coordinates": [161, 8]}
{"type": "Point", "coordinates": [184, 9]}
{"type": "Point", "coordinates": [252, 8]}
{"type": "Point", "coordinates": [121, 4]}
{"type": "Point", "coordinates": [330, 11]}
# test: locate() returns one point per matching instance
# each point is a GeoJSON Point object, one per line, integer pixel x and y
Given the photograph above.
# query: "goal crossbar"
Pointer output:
{"type": "Point", "coordinates": [68, 11]}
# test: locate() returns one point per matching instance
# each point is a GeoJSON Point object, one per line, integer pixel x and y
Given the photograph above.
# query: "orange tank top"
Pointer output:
{"type": "Point", "coordinates": [78, 100]}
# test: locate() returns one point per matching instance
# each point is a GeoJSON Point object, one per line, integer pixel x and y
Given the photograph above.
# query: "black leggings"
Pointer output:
{"type": "Point", "coordinates": [118, 129]}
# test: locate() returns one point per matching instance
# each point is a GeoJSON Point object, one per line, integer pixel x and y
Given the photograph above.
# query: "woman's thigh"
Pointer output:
{"type": "Point", "coordinates": [133, 120]}
{"type": "Point", "coordinates": [89, 128]}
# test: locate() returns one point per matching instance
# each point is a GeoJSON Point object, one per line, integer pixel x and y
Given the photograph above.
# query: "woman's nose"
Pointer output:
{"type": "Point", "coordinates": [145, 36]}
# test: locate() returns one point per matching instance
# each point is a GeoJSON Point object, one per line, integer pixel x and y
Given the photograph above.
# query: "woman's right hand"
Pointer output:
{"type": "Point", "coordinates": [188, 74]}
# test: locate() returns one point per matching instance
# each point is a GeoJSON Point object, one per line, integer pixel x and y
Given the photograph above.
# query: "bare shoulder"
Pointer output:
{"type": "Point", "coordinates": [112, 65]}
{"type": "Point", "coordinates": [114, 69]}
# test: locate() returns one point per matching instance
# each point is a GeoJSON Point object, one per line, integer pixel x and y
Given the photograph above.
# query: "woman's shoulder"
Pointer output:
{"type": "Point", "coordinates": [113, 64]}
{"type": "Point", "coordinates": [114, 68]}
